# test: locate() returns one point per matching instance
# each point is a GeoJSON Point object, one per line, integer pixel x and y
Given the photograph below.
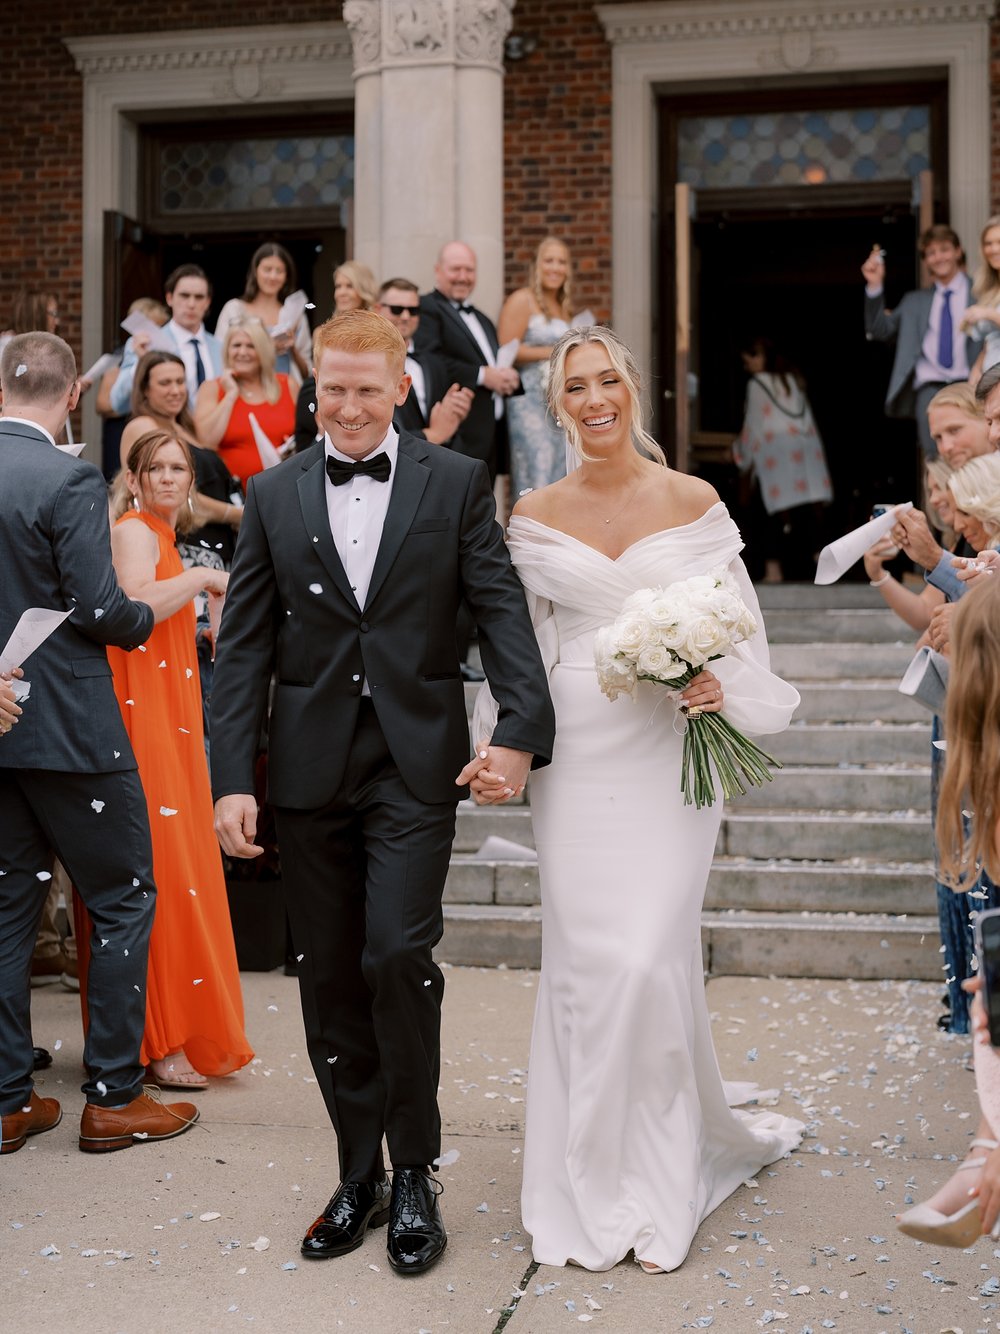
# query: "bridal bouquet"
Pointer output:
{"type": "Point", "coordinates": [667, 635]}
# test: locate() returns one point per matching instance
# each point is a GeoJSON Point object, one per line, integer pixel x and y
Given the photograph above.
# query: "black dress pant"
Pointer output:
{"type": "Point", "coordinates": [98, 827]}
{"type": "Point", "coordinates": [364, 878]}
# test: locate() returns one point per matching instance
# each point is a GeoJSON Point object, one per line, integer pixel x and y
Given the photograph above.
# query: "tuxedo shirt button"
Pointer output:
{"type": "Point", "coordinates": [355, 677]}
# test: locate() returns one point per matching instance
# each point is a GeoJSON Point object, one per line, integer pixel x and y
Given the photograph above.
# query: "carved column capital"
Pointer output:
{"type": "Point", "coordinates": [427, 32]}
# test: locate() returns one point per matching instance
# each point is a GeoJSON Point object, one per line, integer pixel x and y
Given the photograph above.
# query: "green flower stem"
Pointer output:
{"type": "Point", "coordinates": [712, 737]}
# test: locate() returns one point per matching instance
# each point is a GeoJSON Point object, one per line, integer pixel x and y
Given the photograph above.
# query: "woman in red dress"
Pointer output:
{"type": "Point", "coordinates": [249, 384]}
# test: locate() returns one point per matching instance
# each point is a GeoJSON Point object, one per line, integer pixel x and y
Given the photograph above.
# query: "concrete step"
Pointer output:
{"type": "Point", "coordinates": [829, 835]}
{"type": "Point", "coordinates": [902, 836]}
{"type": "Point", "coordinates": [850, 701]}
{"type": "Point", "coordinates": [852, 743]}
{"type": "Point", "coordinates": [811, 597]}
{"type": "Point", "coordinates": [837, 945]}
{"type": "Point", "coordinates": [735, 883]}
{"type": "Point", "coordinates": [857, 702]}
{"type": "Point", "coordinates": [806, 625]}
{"type": "Point", "coordinates": [844, 661]}
{"type": "Point", "coordinates": [845, 787]}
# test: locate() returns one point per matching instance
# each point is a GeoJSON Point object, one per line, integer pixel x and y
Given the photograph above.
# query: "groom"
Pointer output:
{"type": "Point", "coordinates": [352, 561]}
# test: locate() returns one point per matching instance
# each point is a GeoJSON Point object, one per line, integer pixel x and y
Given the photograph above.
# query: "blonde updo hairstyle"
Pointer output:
{"type": "Point", "coordinates": [622, 362]}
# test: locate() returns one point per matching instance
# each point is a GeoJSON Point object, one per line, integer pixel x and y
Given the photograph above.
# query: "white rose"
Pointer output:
{"type": "Point", "coordinates": [659, 663]}
{"type": "Point", "coordinates": [705, 638]}
{"type": "Point", "coordinates": [637, 603]}
{"type": "Point", "coordinates": [617, 677]}
{"type": "Point", "coordinates": [662, 610]}
{"type": "Point", "coordinates": [632, 634]}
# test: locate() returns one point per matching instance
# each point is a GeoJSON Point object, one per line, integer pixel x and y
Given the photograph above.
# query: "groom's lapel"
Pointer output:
{"type": "Point", "coordinates": [407, 489]}
{"type": "Point", "coordinates": [312, 500]}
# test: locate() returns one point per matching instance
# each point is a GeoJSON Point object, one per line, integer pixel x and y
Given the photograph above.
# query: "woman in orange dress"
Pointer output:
{"type": "Point", "coordinates": [249, 384]}
{"type": "Point", "coordinates": [194, 1006]}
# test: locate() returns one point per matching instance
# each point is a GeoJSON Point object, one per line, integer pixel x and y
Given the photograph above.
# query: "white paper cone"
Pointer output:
{"type": "Point", "coordinates": [837, 558]}
{"type": "Point", "coordinates": [269, 456]}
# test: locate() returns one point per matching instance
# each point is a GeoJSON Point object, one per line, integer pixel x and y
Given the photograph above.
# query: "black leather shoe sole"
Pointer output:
{"type": "Point", "coordinates": [344, 1248]}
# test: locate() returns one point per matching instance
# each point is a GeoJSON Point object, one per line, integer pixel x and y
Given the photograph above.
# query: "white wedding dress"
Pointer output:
{"type": "Point", "coordinates": [630, 1139]}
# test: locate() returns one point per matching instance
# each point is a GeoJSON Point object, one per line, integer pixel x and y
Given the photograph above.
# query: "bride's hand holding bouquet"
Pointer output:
{"type": "Point", "coordinates": [667, 636]}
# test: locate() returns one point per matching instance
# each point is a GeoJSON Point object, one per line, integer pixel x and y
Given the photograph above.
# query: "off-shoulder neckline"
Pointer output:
{"type": "Point", "coordinates": [613, 560]}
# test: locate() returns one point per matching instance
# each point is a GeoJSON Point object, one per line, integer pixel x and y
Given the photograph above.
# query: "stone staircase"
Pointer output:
{"type": "Point", "coordinates": [826, 872]}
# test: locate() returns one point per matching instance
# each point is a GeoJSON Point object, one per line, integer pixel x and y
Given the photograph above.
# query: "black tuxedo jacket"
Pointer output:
{"type": "Point", "coordinates": [55, 552]}
{"type": "Point", "coordinates": [443, 331]}
{"type": "Point", "coordinates": [436, 383]}
{"type": "Point", "coordinates": [290, 610]}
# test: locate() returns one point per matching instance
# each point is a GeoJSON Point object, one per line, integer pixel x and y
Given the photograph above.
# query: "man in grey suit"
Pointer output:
{"type": "Point", "coordinates": [68, 779]}
{"type": "Point", "coordinates": [188, 293]}
{"type": "Point", "coordinates": [931, 350]}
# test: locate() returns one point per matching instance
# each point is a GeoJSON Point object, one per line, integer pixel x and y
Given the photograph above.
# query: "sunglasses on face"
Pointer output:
{"type": "Point", "coordinates": [414, 311]}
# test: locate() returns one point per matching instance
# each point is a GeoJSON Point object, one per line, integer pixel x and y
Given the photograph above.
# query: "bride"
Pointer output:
{"type": "Point", "coordinates": [630, 1140]}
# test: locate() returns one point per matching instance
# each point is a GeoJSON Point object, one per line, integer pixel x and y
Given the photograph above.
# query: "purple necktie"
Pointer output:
{"type": "Point", "coordinates": [946, 338]}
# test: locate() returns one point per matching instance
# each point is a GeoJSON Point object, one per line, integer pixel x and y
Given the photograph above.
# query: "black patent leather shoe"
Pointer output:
{"type": "Point", "coordinates": [40, 1058]}
{"type": "Point", "coordinates": [416, 1229]}
{"type": "Point", "coordinates": [341, 1227]}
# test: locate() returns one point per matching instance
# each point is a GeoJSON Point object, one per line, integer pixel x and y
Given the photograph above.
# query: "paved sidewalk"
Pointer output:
{"type": "Point", "coordinates": [119, 1244]}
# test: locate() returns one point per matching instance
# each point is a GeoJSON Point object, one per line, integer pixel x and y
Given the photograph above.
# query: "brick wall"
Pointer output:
{"type": "Point", "coordinates": [41, 182]}
{"type": "Point", "coordinates": [557, 146]}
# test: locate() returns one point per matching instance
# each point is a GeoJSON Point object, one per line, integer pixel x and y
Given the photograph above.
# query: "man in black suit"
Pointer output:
{"type": "Point", "coordinates": [68, 780]}
{"type": "Point", "coordinates": [926, 327]}
{"type": "Point", "coordinates": [352, 560]}
{"type": "Point", "coordinates": [466, 340]}
{"type": "Point", "coordinates": [434, 408]}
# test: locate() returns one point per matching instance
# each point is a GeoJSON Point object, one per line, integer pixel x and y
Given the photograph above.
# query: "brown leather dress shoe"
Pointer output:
{"type": "Point", "coordinates": [103, 1129]}
{"type": "Point", "coordinates": [39, 1115]}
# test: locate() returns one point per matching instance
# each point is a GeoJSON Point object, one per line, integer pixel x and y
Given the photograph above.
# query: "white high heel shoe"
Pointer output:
{"type": "Point", "coordinates": [960, 1229]}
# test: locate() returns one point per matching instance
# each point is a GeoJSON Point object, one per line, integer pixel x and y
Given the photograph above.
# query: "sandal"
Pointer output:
{"type": "Point", "coordinates": [961, 1229]}
{"type": "Point", "coordinates": [175, 1079]}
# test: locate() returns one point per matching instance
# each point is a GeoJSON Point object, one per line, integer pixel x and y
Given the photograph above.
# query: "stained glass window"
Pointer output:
{"type": "Point", "coordinates": [804, 147]}
{"type": "Point", "coordinates": [240, 175]}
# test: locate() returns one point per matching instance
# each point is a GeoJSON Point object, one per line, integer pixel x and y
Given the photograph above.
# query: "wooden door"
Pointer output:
{"type": "Point", "coordinates": [678, 395]}
{"type": "Point", "coordinates": [132, 268]}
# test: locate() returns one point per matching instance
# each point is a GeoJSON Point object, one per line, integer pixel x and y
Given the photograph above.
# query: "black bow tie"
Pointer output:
{"type": "Point", "coordinates": [378, 467]}
{"type": "Point", "coordinates": [464, 307]}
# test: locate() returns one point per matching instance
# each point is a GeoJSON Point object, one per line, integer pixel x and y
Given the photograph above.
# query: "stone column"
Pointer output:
{"type": "Point", "coordinates": [428, 117]}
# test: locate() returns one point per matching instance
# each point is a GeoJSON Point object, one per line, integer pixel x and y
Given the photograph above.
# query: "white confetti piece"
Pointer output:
{"type": "Point", "coordinates": [375, 1269]}
{"type": "Point", "coordinates": [447, 1159]}
{"type": "Point", "coordinates": [118, 754]}
{"type": "Point", "coordinates": [163, 663]}
{"type": "Point", "coordinates": [198, 981]}
{"type": "Point", "coordinates": [102, 1088]}
{"type": "Point", "coordinates": [96, 805]}
{"type": "Point", "coordinates": [21, 370]}
{"type": "Point", "coordinates": [50, 1250]}
{"type": "Point", "coordinates": [315, 588]}
{"type": "Point", "coordinates": [57, 1044]}
{"type": "Point", "coordinates": [188, 673]}
{"type": "Point", "coordinates": [299, 958]}
{"type": "Point", "coordinates": [273, 1009]}
{"type": "Point", "coordinates": [193, 893]}
{"type": "Point", "coordinates": [209, 1218]}
{"type": "Point", "coordinates": [167, 810]}
{"type": "Point", "coordinates": [427, 982]}
{"type": "Point", "coordinates": [43, 875]}
{"type": "Point", "coordinates": [483, 1208]}
{"type": "Point", "coordinates": [261, 1244]}
{"type": "Point", "coordinates": [289, 1264]}
{"type": "Point", "coordinates": [130, 701]}
{"type": "Point", "coordinates": [331, 1060]}
{"type": "Point", "coordinates": [98, 613]}
{"type": "Point", "coordinates": [135, 883]}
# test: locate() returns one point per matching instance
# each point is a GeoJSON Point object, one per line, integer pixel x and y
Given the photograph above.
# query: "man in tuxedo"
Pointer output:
{"type": "Point", "coordinates": [466, 340]}
{"type": "Point", "coordinates": [68, 779]}
{"type": "Point", "coordinates": [433, 408]}
{"type": "Point", "coordinates": [188, 294]}
{"type": "Point", "coordinates": [931, 350]}
{"type": "Point", "coordinates": [352, 561]}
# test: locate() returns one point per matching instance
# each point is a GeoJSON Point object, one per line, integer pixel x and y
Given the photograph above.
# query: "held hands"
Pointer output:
{"type": "Point", "coordinates": [501, 380]}
{"type": "Point", "coordinates": [495, 774]}
{"type": "Point", "coordinates": [939, 630]}
{"type": "Point", "coordinates": [912, 532]}
{"type": "Point", "coordinates": [705, 693]}
{"type": "Point", "coordinates": [236, 826]}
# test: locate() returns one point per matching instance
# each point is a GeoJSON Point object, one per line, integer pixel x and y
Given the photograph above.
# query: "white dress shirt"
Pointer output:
{"type": "Point", "coordinates": [357, 513]}
{"type": "Point", "coordinates": [928, 369]}
{"type": "Point", "coordinates": [471, 320]}
{"type": "Point", "coordinates": [183, 337]}
{"type": "Point", "coordinates": [416, 373]}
